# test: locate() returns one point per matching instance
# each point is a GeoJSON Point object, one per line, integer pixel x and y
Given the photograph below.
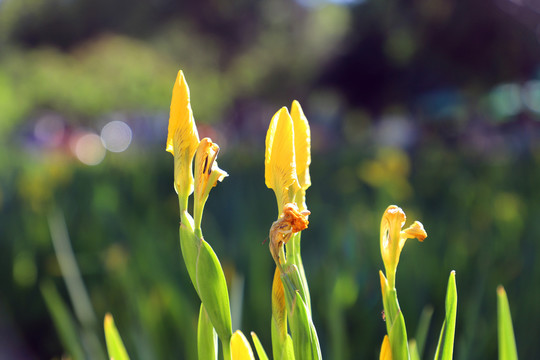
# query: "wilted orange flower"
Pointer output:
{"type": "Point", "coordinates": [290, 221]}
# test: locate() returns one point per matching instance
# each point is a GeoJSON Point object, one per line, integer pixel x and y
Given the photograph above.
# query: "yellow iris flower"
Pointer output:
{"type": "Point", "coordinates": [287, 158]}
{"type": "Point", "coordinates": [207, 174]}
{"type": "Point", "coordinates": [182, 138]}
{"type": "Point", "coordinates": [393, 238]}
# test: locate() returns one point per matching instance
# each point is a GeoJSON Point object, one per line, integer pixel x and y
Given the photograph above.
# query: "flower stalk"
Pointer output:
{"type": "Point", "coordinates": [287, 161]}
{"type": "Point", "coordinates": [201, 261]}
{"type": "Point", "coordinates": [392, 240]}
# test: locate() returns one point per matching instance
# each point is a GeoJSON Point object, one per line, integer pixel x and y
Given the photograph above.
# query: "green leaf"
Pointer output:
{"type": "Point", "coordinates": [207, 342]}
{"type": "Point", "coordinates": [395, 323]}
{"type": "Point", "coordinates": [398, 338]}
{"type": "Point", "coordinates": [213, 291]}
{"type": "Point", "coordinates": [294, 256]}
{"type": "Point", "coordinates": [413, 350]}
{"type": "Point", "coordinates": [287, 353]}
{"type": "Point", "coordinates": [282, 350]}
{"type": "Point", "coordinates": [63, 321]}
{"type": "Point", "coordinates": [258, 347]}
{"type": "Point", "coordinates": [445, 348]}
{"type": "Point", "coordinates": [304, 336]}
{"type": "Point", "coordinates": [507, 342]}
{"type": "Point", "coordinates": [207, 277]}
{"type": "Point", "coordinates": [115, 346]}
{"type": "Point", "coordinates": [189, 245]}
{"type": "Point", "coordinates": [422, 329]}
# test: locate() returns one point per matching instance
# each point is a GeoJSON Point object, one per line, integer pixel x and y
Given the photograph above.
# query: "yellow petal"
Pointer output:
{"type": "Point", "coordinates": [415, 231]}
{"type": "Point", "coordinates": [302, 144]}
{"type": "Point", "coordinates": [391, 224]}
{"type": "Point", "coordinates": [393, 239]}
{"type": "Point", "coordinates": [182, 134]}
{"type": "Point", "coordinates": [280, 163]}
{"type": "Point", "coordinates": [386, 352]}
{"type": "Point", "coordinates": [207, 174]}
{"type": "Point", "coordinates": [240, 348]}
{"type": "Point", "coordinates": [182, 139]}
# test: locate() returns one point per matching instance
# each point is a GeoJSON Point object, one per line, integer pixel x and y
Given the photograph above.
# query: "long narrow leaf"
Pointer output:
{"type": "Point", "coordinates": [445, 348]}
{"type": "Point", "coordinates": [398, 338]}
{"type": "Point", "coordinates": [115, 346]}
{"type": "Point", "coordinates": [413, 350]}
{"type": "Point", "coordinates": [305, 341]}
{"type": "Point", "coordinates": [207, 344]}
{"type": "Point", "coordinates": [422, 330]}
{"type": "Point", "coordinates": [63, 321]}
{"type": "Point", "coordinates": [258, 347]}
{"type": "Point", "coordinates": [395, 323]}
{"type": "Point", "coordinates": [507, 342]}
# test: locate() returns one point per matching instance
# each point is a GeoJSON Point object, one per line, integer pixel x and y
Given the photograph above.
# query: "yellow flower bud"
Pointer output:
{"type": "Point", "coordinates": [240, 348]}
{"type": "Point", "coordinates": [280, 162]}
{"type": "Point", "coordinates": [182, 138]}
{"type": "Point", "coordinates": [386, 352]}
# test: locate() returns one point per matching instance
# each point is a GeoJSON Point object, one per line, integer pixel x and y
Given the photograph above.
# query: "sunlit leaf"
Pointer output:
{"type": "Point", "coordinates": [207, 344]}
{"type": "Point", "coordinates": [445, 348]}
{"type": "Point", "coordinates": [258, 347]}
{"type": "Point", "coordinates": [207, 276]}
{"type": "Point", "coordinates": [507, 342]}
{"type": "Point", "coordinates": [115, 346]}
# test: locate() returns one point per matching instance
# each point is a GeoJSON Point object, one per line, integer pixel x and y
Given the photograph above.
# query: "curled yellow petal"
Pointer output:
{"type": "Point", "coordinates": [392, 239]}
{"type": "Point", "coordinates": [207, 174]}
{"type": "Point", "coordinates": [386, 352]}
{"type": "Point", "coordinates": [415, 231]}
{"type": "Point", "coordinates": [240, 348]}
{"type": "Point", "coordinates": [280, 161]}
{"type": "Point", "coordinates": [302, 144]}
{"type": "Point", "coordinates": [182, 137]}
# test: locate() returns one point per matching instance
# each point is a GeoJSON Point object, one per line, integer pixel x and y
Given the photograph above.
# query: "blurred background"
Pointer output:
{"type": "Point", "coordinates": [432, 105]}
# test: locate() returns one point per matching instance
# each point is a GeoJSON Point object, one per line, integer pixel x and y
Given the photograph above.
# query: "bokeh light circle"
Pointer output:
{"type": "Point", "coordinates": [89, 149]}
{"type": "Point", "coordinates": [116, 136]}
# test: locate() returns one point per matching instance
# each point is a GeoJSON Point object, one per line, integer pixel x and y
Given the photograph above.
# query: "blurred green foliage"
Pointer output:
{"type": "Point", "coordinates": [403, 110]}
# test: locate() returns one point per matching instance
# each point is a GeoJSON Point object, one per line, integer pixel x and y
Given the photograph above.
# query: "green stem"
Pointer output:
{"type": "Point", "coordinates": [226, 349]}
{"type": "Point", "coordinates": [391, 280]}
{"type": "Point", "coordinates": [183, 202]}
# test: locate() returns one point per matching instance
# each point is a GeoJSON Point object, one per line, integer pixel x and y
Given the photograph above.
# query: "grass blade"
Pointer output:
{"type": "Point", "coordinates": [63, 321]}
{"type": "Point", "coordinates": [115, 346]}
{"type": "Point", "coordinates": [258, 347]}
{"type": "Point", "coordinates": [507, 342]}
{"type": "Point", "coordinates": [422, 330]}
{"type": "Point", "coordinates": [445, 348]}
